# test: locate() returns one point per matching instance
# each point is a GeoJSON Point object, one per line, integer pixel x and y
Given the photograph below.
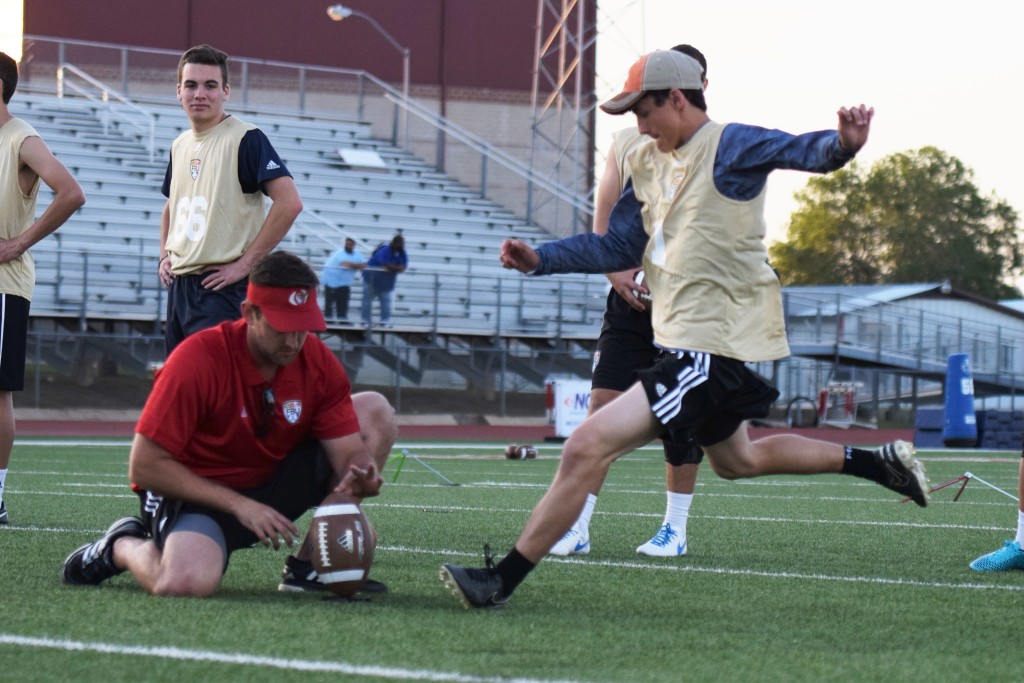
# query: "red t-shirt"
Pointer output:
{"type": "Point", "coordinates": [207, 406]}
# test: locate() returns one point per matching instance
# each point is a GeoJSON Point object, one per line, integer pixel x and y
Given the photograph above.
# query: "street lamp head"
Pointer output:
{"type": "Point", "coordinates": [338, 12]}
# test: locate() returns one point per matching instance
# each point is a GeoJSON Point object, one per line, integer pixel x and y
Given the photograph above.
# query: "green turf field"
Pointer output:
{"type": "Point", "coordinates": [788, 579]}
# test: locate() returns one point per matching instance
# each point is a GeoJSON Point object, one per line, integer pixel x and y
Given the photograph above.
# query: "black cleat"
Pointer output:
{"type": "Point", "coordinates": [902, 472]}
{"type": "Point", "coordinates": [475, 587]}
{"type": "Point", "coordinates": [93, 563]}
{"type": "Point", "coordinates": [3, 513]}
{"type": "Point", "coordinates": [300, 577]}
{"type": "Point", "coordinates": [371, 586]}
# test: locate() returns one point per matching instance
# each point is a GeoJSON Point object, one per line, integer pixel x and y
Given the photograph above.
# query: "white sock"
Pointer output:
{"type": "Point", "coordinates": [677, 510]}
{"type": "Point", "coordinates": [583, 523]}
{"type": "Point", "coordinates": [1020, 528]}
{"type": "Point", "coordinates": [3, 479]}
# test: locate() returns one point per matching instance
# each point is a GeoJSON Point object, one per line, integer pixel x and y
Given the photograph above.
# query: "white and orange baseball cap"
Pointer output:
{"type": "Point", "coordinates": [658, 70]}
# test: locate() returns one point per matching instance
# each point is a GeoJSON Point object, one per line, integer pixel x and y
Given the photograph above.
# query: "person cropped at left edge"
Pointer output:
{"type": "Point", "coordinates": [249, 424]}
{"type": "Point", "coordinates": [214, 226]}
{"type": "Point", "coordinates": [26, 163]}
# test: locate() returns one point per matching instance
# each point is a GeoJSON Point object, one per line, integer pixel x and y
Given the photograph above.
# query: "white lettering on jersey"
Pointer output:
{"type": "Point", "coordinates": [658, 256]}
{"type": "Point", "coordinates": [190, 218]}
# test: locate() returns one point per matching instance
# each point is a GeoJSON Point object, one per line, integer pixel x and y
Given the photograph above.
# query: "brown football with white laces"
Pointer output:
{"type": "Point", "coordinates": [343, 544]}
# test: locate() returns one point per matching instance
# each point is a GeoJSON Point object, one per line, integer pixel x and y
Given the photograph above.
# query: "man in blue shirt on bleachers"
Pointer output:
{"type": "Point", "coordinates": [339, 272]}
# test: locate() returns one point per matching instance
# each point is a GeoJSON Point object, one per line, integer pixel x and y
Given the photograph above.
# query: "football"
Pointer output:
{"type": "Point", "coordinates": [639, 279]}
{"type": "Point", "coordinates": [343, 544]}
{"type": "Point", "coordinates": [525, 452]}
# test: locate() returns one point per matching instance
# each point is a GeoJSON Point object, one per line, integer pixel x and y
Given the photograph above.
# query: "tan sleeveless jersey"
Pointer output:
{"type": "Point", "coordinates": [17, 210]}
{"type": "Point", "coordinates": [212, 221]}
{"type": "Point", "coordinates": [706, 263]}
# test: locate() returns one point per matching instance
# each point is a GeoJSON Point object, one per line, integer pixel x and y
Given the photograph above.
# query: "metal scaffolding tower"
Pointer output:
{"type": "Point", "coordinates": [563, 103]}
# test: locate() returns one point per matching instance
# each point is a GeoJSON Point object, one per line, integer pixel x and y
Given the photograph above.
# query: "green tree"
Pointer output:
{"type": "Point", "coordinates": [915, 216]}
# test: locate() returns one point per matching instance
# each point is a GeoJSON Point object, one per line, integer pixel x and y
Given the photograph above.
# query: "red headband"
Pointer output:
{"type": "Point", "coordinates": [288, 309]}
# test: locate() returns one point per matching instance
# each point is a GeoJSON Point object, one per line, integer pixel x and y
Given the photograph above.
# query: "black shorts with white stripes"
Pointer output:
{"type": "Point", "coordinates": [709, 395]}
{"type": "Point", "coordinates": [625, 345]}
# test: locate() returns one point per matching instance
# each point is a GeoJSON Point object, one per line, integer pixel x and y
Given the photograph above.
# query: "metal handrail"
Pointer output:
{"type": "Point", "coordinates": [105, 95]}
{"type": "Point", "coordinates": [504, 159]}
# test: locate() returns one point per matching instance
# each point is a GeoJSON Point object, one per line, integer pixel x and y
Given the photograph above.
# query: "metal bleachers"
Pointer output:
{"type": "Point", "coordinates": [101, 265]}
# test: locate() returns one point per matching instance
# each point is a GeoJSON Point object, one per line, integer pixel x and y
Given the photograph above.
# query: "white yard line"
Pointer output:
{"type": "Point", "coordinates": [247, 659]}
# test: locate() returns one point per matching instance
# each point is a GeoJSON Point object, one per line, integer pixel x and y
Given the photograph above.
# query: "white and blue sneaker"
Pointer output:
{"type": "Point", "coordinates": [1010, 556]}
{"type": "Point", "coordinates": [666, 543]}
{"type": "Point", "coordinates": [574, 542]}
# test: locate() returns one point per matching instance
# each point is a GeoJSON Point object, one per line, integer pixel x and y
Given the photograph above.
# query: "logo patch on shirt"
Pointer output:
{"type": "Point", "coordinates": [194, 168]}
{"type": "Point", "coordinates": [660, 389]}
{"type": "Point", "coordinates": [676, 182]}
{"type": "Point", "coordinates": [292, 411]}
{"type": "Point", "coordinates": [273, 165]}
{"type": "Point", "coordinates": [597, 359]}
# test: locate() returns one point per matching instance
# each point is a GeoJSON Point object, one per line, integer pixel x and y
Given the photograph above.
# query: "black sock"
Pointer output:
{"type": "Point", "coordinates": [861, 463]}
{"type": "Point", "coordinates": [512, 569]}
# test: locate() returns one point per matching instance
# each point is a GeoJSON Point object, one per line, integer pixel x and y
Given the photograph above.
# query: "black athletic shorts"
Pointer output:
{"type": "Point", "coordinates": [708, 395]}
{"type": "Point", "coordinates": [191, 307]}
{"type": "Point", "coordinates": [626, 343]}
{"type": "Point", "coordinates": [13, 341]}
{"type": "Point", "coordinates": [301, 483]}
{"type": "Point", "coordinates": [625, 346]}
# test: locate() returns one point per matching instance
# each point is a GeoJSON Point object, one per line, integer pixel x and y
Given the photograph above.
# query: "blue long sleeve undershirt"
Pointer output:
{"type": "Point", "coordinates": [746, 155]}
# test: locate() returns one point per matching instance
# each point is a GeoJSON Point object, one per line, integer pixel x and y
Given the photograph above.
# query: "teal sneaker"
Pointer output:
{"type": "Point", "coordinates": [1010, 556]}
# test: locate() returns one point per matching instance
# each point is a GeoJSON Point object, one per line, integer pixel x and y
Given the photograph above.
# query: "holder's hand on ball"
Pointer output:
{"type": "Point", "coordinates": [362, 481]}
{"type": "Point", "coordinates": [518, 255]}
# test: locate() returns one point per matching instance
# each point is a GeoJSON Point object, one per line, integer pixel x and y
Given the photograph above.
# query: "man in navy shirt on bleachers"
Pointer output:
{"type": "Point", "coordinates": [379, 276]}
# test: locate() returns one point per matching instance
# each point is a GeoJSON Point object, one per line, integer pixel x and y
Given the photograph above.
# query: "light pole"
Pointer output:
{"type": "Point", "coordinates": [339, 13]}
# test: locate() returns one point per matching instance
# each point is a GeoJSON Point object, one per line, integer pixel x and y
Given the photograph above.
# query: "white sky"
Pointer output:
{"type": "Point", "coordinates": [942, 74]}
{"type": "Point", "coordinates": [10, 27]}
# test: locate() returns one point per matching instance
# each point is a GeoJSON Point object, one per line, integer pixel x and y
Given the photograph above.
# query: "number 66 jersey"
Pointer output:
{"type": "Point", "coordinates": [214, 186]}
